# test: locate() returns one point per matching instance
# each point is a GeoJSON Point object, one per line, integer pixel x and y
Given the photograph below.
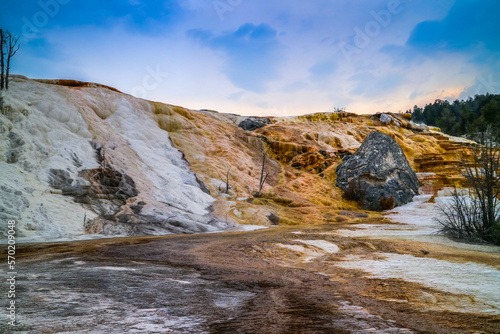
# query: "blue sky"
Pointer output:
{"type": "Point", "coordinates": [265, 57]}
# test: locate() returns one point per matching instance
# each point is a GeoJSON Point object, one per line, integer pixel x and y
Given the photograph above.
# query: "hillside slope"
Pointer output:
{"type": "Point", "coordinates": [79, 159]}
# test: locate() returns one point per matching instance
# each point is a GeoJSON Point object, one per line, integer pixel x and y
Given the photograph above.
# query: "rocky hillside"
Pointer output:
{"type": "Point", "coordinates": [79, 158]}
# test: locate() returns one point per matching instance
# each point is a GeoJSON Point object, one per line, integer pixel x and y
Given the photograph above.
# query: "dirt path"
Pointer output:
{"type": "Point", "coordinates": [283, 280]}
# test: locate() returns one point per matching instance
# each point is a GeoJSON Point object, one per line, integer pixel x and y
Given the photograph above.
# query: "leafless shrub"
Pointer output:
{"type": "Point", "coordinates": [461, 218]}
{"type": "Point", "coordinates": [476, 217]}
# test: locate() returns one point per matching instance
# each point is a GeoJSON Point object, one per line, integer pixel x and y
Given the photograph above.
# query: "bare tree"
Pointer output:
{"type": "Point", "coordinates": [9, 45]}
{"type": "Point", "coordinates": [483, 178]}
{"type": "Point", "coordinates": [2, 58]}
{"type": "Point", "coordinates": [477, 217]}
{"type": "Point", "coordinates": [226, 180]}
{"type": "Point", "coordinates": [12, 48]}
{"type": "Point", "coordinates": [263, 174]}
{"type": "Point", "coordinates": [461, 218]}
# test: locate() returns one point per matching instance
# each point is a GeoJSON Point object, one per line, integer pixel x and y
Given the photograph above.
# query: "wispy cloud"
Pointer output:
{"type": "Point", "coordinates": [322, 71]}
{"type": "Point", "coordinates": [251, 54]}
{"type": "Point", "coordinates": [469, 27]}
{"type": "Point", "coordinates": [267, 56]}
{"type": "Point", "coordinates": [372, 86]}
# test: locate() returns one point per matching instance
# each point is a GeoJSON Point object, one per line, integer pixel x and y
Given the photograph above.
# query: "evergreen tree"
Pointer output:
{"type": "Point", "coordinates": [461, 118]}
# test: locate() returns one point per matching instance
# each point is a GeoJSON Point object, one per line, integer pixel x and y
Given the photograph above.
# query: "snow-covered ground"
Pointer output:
{"type": "Point", "coordinates": [414, 221]}
{"type": "Point", "coordinates": [479, 281]}
{"type": "Point", "coordinates": [44, 127]}
{"type": "Point", "coordinates": [471, 279]}
{"type": "Point", "coordinates": [312, 249]}
{"type": "Point", "coordinates": [471, 287]}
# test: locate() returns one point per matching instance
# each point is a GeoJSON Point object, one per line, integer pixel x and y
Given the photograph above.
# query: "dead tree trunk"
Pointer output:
{"type": "Point", "coordinates": [2, 59]}
{"type": "Point", "coordinates": [263, 174]}
{"type": "Point", "coordinates": [226, 181]}
{"type": "Point", "coordinates": [12, 47]}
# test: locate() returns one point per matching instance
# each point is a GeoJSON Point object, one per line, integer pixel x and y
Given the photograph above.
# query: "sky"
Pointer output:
{"type": "Point", "coordinates": [256, 57]}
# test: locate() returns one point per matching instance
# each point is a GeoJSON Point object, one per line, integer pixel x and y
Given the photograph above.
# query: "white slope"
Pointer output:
{"type": "Point", "coordinates": [44, 127]}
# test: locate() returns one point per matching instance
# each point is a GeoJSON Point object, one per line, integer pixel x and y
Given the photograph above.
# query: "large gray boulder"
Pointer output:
{"type": "Point", "coordinates": [378, 175]}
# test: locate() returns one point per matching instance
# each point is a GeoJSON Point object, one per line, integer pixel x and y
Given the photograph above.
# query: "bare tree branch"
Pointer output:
{"type": "Point", "coordinates": [263, 174]}
{"type": "Point", "coordinates": [226, 181]}
{"type": "Point", "coordinates": [12, 48]}
{"type": "Point", "coordinates": [2, 59]}
{"type": "Point", "coordinates": [477, 217]}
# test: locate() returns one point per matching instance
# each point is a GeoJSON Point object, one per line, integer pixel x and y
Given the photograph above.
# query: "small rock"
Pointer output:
{"type": "Point", "coordinates": [386, 119]}
{"type": "Point", "coordinates": [273, 218]}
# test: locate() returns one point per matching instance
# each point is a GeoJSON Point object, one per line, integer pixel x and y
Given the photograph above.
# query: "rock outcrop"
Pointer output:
{"type": "Point", "coordinates": [79, 158]}
{"type": "Point", "coordinates": [254, 123]}
{"type": "Point", "coordinates": [378, 175]}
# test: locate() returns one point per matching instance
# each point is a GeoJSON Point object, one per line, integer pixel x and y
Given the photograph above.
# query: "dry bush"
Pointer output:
{"type": "Point", "coordinates": [463, 219]}
{"type": "Point", "coordinates": [477, 217]}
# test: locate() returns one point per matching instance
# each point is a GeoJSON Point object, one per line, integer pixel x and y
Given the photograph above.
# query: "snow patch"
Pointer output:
{"type": "Point", "coordinates": [246, 228]}
{"type": "Point", "coordinates": [472, 279]}
{"type": "Point", "coordinates": [319, 248]}
{"type": "Point", "coordinates": [309, 253]}
{"type": "Point", "coordinates": [324, 245]}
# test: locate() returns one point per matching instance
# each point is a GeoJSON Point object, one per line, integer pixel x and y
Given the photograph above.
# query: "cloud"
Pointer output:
{"type": "Point", "coordinates": [236, 96]}
{"type": "Point", "coordinates": [322, 70]}
{"type": "Point", "coordinates": [283, 53]}
{"type": "Point", "coordinates": [402, 55]}
{"type": "Point", "coordinates": [482, 84]}
{"type": "Point", "coordinates": [464, 42]}
{"type": "Point", "coordinates": [43, 58]}
{"type": "Point", "coordinates": [469, 26]}
{"type": "Point", "coordinates": [419, 93]}
{"type": "Point", "coordinates": [36, 17]}
{"type": "Point", "coordinates": [371, 86]}
{"type": "Point", "coordinates": [251, 54]}
{"type": "Point", "coordinates": [296, 87]}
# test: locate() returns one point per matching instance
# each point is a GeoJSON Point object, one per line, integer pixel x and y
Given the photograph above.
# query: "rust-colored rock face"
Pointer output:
{"type": "Point", "coordinates": [193, 169]}
{"type": "Point", "coordinates": [304, 153]}
{"type": "Point", "coordinates": [75, 83]}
